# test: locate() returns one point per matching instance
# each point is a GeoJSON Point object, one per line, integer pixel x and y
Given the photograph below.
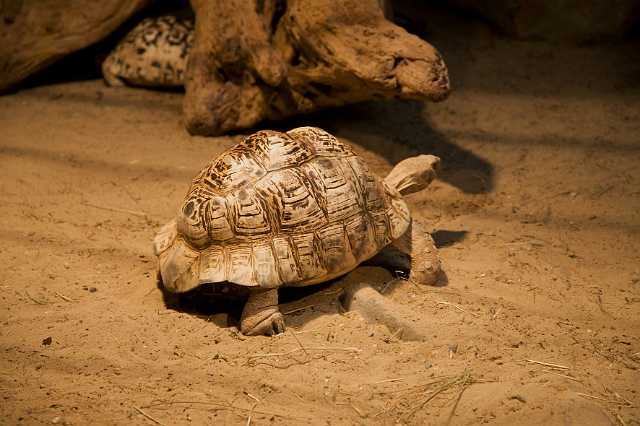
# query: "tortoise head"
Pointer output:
{"type": "Point", "coordinates": [413, 174]}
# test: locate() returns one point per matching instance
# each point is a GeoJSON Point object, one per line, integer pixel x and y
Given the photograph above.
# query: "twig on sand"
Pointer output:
{"type": "Point", "coordinates": [299, 343]}
{"type": "Point", "coordinates": [226, 406]}
{"type": "Point", "coordinates": [65, 298]}
{"type": "Point", "coordinates": [255, 398]}
{"type": "Point", "coordinates": [251, 414]}
{"type": "Point", "coordinates": [610, 401]}
{"type": "Point", "coordinates": [297, 396]}
{"type": "Point", "coordinates": [33, 299]}
{"type": "Point", "coordinates": [464, 379]}
{"type": "Point", "coordinates": [430, 390]}
{"type": "Point", "coordinates": [399, 379]}
{"type": "Point", "coordinates": [118, 210]}
{"type": "Point", "coordinates": [257, 358]}
{"type": "Point", "coordinates": [146, 415]}
{"type": "Point", "coordinates": [562, 375]}
{"type": "Point", "coordinates": [455, 405]}
{"type": "Point", "coordinates": [397, 334]}
{"type": "Point", "coordinates": [548, 364]}
{"type": "Point", "coordinates": [357, 410]}
{"type": "Point", "coordinates": [316, 348]}
{"type": "Point", "coordinates": [302, 308]}
{"type": "Point", "coordinates": [461, 309]}
{"type": "Point", "coordinates": [620, 419]}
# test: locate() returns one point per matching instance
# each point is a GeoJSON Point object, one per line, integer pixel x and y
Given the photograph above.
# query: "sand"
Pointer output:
{"type": "Point", "coordinates": [536, 213]}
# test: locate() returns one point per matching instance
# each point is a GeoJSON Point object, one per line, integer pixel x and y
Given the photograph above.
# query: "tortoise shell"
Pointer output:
{"type": "Point", "coordinates": [279, 209]}
{"type": "Point", "coordinates": [154, 53]}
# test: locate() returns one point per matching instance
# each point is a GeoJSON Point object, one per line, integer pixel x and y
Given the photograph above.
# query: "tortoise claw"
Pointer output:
{"type": "Point", "coordinates": [261, 314]}
{"type": "Point", "coordinates": [270, 326]}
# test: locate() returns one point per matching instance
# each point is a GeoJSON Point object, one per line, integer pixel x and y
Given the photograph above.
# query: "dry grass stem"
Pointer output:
{"type": "Point", "coordinates": [620, 419]}
{"type": "Point", "coordinates": [297, 396]}
{"type": "Point", "coordinates": [399, 379]}
{"type": "Point", "coordinates": [316, 348]}
{"type": "Point", "coordinates": [146, 415]}
{"type": "Point", "coordinates": [548, 364]}
{"type": "Point", "coordinates": [298, 309]}
{"type": "Point", "coordinates": [396, 334]}
{"type": "Point", "coordinates": [464, 380]}
{"type": "Point", "coordinates": [118, 210]}
{"type": "Point", "coordinates": [412, 389]}
{"type": "Point", "coordinates": [563, 375]}
{"type": "Point", "coordinates": [622, 398]}
{"type": "Point", "coordinates": [610, 401]}
{"type": "Point", "coordinates": [255, 398]}
{"type": "Point", "coordinates": [251, 414]}
{"type": "Point", "coordinates": [290, 364]}
{"type": "Point", "coordinates": [34, 300]}
{"type": "Point", "coordinates": [455, 405]}
{"type": "Point", "coordinates": [461, 309]}
{"type": "Point", "coordinates": [429, 391]}
{"type": "Point", "coordinates": [225, 406]}
{"type": "Point", "coordinates": [357, 410]}
{"type": "Point", "coordinates": [299, 343]}
{"type": "Point", "coordinates": [65, 298]}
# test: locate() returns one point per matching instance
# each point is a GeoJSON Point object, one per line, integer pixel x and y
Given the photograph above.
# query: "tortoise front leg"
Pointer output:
{"type": "Point", "coordinates": [419, 245]}
{"type": "Point", "coordinates": [261, 314]}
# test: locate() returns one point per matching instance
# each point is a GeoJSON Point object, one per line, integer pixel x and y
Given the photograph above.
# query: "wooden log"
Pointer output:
{"type": "Point", "coordinates": [36, 33]}
{"type": "Point", "coordinates": [270, 59]}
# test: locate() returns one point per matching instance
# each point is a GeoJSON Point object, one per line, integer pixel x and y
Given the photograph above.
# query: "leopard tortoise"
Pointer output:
{"type": "Point", "coordinates": [291, 209]}
{"type": "Point", "coordinates": [153, 54]}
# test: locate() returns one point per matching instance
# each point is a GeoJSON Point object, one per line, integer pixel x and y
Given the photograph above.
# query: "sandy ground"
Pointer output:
{"type": "Point", "coordinates": [536, 213]}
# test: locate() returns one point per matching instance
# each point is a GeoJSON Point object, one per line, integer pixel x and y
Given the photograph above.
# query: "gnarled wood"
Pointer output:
{"type": "Point", "coordinates": [36, 33]}
{"type": "Point", "coordinates": [254, 60]}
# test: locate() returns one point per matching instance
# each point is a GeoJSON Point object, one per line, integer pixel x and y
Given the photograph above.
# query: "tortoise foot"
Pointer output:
{"type": "Point", "coordinates": [427, 273]}
{"type": "Point", "coordinates": [261, 314]}
{"type": "Point", "coordinates": [421, 249]}
{"type": "Point", "coordinates": [269, 326]}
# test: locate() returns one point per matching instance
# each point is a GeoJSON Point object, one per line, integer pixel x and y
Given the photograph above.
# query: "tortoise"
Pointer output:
{"type": "Point", "coordinates": [153, 54]}
{"type": "Point", "coordinates": [291, 209]}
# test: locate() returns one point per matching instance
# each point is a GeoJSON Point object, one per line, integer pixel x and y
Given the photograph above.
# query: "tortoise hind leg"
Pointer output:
{"type": "Point", "coordinates": [261, 314]}
{"type": "Point", "coordinates": [418, 244]}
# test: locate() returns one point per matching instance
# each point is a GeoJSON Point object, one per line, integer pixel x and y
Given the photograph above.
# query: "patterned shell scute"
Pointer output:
{"type": "Point", "coordinates": [333, 181]}
{"type": "Point", "coordinates": [192, 220]}
{"type": "Point", "coordinates": [277, 150]}
{"type": "Point", "coordinates": [235, 169]}
{"type": "Point", "coordinates": [154, 53]}
{"type": "Point", "coordinates": [321, 142]}
{"type": "Point", "coordinates": [295, 207]}
{"type": "Point", "coordinates": [292, 209]}
{"type": "Point", "coordinates": [249, 215]}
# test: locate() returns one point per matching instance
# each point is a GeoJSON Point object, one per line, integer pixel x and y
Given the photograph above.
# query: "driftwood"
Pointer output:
{"type": "Point", "coordinates": [270, 59]}
{"type": "Point", "coordinates": [36, 33]}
